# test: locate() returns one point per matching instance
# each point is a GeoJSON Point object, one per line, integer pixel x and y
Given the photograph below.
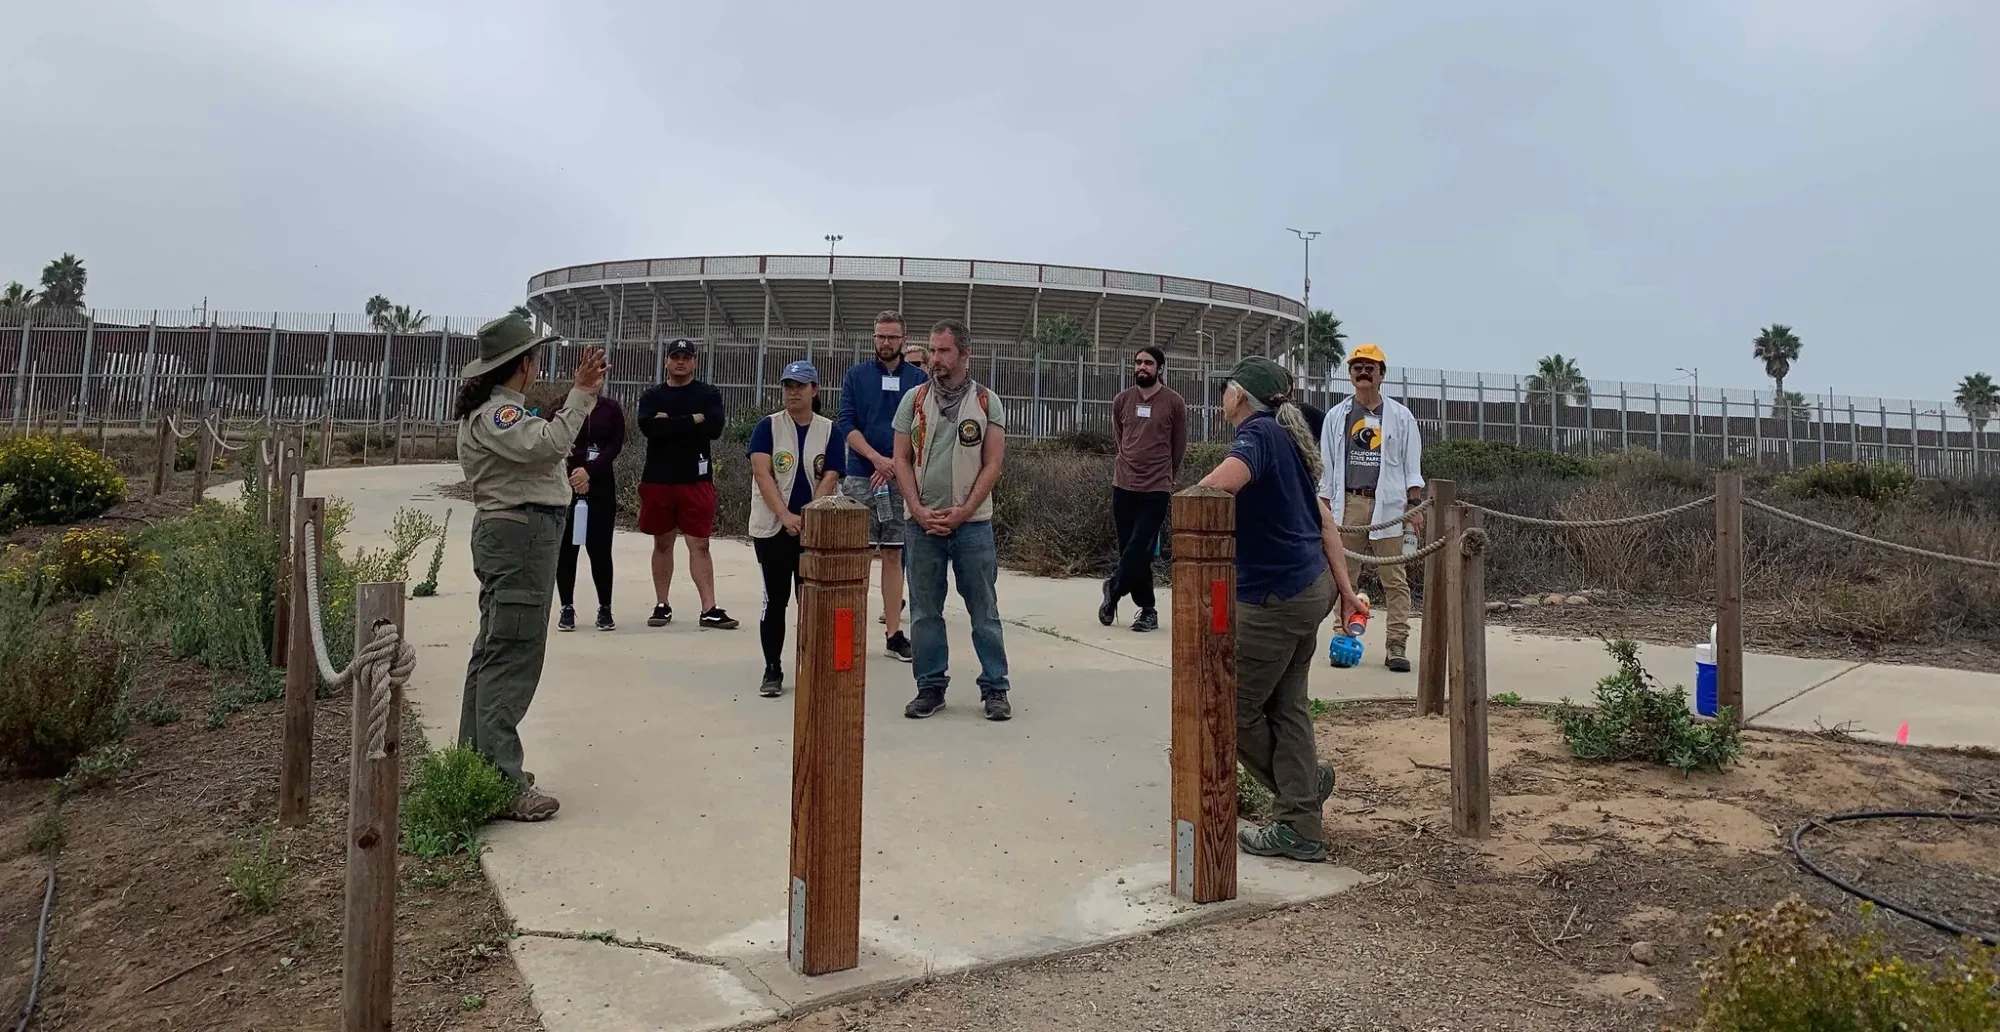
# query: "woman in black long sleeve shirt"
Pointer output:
{"type": "Point", "coordinates": [592, 477]}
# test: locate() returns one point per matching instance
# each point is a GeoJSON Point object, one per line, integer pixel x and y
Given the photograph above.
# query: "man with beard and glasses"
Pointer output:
{"type": "Point", "coordinates": [1149, 425]}
{"type": "Point", "coordinates": [870, 393]}
{"type": "Point", "coordinates": [1374, 462]}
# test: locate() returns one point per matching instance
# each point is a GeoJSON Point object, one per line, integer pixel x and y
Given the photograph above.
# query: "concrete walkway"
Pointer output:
{"type": "Point", "coordinates": [982, 842]}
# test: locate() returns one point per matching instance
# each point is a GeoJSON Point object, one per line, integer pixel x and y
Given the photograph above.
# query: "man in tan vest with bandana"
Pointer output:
{"type": "Point", "coordinates": [950, 441]}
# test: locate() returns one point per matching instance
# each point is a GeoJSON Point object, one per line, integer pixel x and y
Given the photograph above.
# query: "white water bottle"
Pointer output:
{"type": "Point", "coordinates": [580, 522]}
{"type": "Point", "coordinates": [1409, 540]}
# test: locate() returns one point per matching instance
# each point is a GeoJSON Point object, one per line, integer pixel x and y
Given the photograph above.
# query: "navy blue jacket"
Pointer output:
{"type": "Point", "coordinates": [867, 405]}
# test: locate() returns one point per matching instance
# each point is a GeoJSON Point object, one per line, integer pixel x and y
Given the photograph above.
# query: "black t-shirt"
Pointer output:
{"type": "Point", "coordinates": [677, 446]}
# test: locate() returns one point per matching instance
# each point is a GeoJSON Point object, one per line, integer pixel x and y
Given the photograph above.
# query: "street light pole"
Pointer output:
{"type": "Point", "coordinates": [1307, 237]}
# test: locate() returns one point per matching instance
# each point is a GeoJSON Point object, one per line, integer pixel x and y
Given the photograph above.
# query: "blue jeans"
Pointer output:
{"type": "Point", "coordinates": [975, 564]}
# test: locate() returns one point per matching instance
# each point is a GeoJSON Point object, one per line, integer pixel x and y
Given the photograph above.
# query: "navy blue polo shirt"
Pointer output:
{"type": "Point", "coordinates": [1278, 546]}
{"type": "Point", "coordinates": [869, 395]}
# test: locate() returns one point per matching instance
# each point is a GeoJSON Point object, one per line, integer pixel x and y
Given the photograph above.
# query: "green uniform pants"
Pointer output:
{"type": "Point", "coordinates": [514, 553]}
{"type": "Point", "coordinates": [1275, 646]}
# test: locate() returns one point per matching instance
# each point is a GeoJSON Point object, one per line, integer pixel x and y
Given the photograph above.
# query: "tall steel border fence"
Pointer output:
{"type": "Point", "coordinates": [127, 368]}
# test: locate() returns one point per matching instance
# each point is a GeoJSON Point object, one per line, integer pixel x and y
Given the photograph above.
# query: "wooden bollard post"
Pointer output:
{"type": "Point", "coordinates": [399, 440]}
{"type": "Point", "coordinates": [1202, 756]}
{"type": "Point", "coordinates": [1729, 593]}
{"type": "Point", "coordinates": [204, 457]}
{"type": "Point", "coordinates": [824, 932]}
{"type": "Point", "coordinates": [1435, 659]}
{"type": "Point", "coordinates": [1471, 807]}
{"type": "Point", "coordinates": [287, 533]}
{"type": "Point", "coordinates": [368, 965]}
{"type": "Point", "coordinates": [165, 445]}
{"type": "Point", "coordinates": [301, 671]}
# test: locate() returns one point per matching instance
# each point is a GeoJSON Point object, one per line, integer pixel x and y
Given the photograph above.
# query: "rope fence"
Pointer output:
{"type": "Point", "coordinates": [1622, 521]}
{"type": "Point", "coordinates": [1390, 522]}
{"type": "Point", "coordinates": [383, 665]}
{"type": "Point", "coordinates": [1894, 546]}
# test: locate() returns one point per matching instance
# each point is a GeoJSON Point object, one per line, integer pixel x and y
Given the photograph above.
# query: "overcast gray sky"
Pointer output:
{"type": "Point", "coordinates": [1638, 185]}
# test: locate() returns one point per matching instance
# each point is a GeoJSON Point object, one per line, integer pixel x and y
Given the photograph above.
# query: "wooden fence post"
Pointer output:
{"type": "Point", "coordinates": [301, 671]}
{"type": "Point", "coordinates": [368, 965]}
{"type": "Point", "coordinates": [204, 457]}
{"type": "Point", "coordinates": [1729, 593]}
{"type": "Point", "coordinates": [1202, 757]}
{"type": "Point", "coordinates": [399, 439]}
{"type": "Point", "coordinates": [824, 932]}
{"type": "Point", "coordinates": [1470, 798]}
{"type": "Point", "coordinates": [1435, 659]}
{"type": "Point", "coordinates": [165, 445]}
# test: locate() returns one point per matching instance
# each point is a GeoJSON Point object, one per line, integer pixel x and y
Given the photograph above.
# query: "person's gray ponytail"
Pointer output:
{"type": "Point", "coordinates": [1294, 421]}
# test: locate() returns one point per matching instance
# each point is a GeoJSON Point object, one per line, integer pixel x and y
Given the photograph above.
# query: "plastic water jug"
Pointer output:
{"type": "Point", "coordinates": [1704, 675]}
{"type": "Point", "coordinates": [1344, 651]}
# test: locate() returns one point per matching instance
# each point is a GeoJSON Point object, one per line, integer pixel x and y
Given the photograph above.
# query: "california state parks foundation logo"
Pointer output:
{"type": "Point", "coordinates": [968, 432]}
{"type": "Point", "coordinates": [784, 461]}
{"type": "Point", "coordinates": [819, 465]}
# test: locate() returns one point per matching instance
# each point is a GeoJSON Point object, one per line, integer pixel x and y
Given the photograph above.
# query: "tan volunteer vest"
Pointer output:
{"type": "Point", "coordinates": [968, 438]}
{"type": "Point", "coordinates": [787, 463]}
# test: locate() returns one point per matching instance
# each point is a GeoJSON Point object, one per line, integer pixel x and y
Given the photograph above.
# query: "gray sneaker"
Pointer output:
{"type": "Point", "coordinates": [530, 805]}
{"type": "Point", "coordinates": [1280, 840]}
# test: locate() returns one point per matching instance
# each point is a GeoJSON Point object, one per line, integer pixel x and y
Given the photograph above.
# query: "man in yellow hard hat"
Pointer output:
{"type": "Point", "coordinates": [1374, 458]}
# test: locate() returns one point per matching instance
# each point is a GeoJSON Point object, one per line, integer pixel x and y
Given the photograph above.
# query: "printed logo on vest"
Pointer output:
{"type": "Point", "coordinates": [819, 465]}
{"type": "Point", "coordinates": [506, 416]}
{"type": "Point", "coordinates": [968, 432]}
{"type": "Point", "coordinates": [784, 461]}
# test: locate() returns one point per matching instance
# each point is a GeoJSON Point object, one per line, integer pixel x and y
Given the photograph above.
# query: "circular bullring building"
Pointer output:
{"type": "Point", "coordinates": [754, 313]}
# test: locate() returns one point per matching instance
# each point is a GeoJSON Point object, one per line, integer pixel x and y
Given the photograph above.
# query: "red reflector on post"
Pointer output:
{"type": "Point", "coordinates": [843, 639]}
{"type": "Point", "coordinates": [1218, 607]}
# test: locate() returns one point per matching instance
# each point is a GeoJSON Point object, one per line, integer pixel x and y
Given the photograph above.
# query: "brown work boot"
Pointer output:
{"type": "Point", "coordinates": [1397, 662]}
{"type": "Point", "coordinates": [530, 805]}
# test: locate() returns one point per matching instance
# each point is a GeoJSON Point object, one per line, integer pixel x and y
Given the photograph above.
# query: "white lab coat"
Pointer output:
{"type": "Point", "coordinates": [1402, 462]}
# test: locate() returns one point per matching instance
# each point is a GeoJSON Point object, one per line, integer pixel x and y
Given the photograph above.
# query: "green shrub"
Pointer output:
{"type": "Point", "coordinates": [98, 767]}
{"type": "Point", "coordinates": [454, 792]}
{"type": "Point", "coordinates": [62, 695]}
{"type": "Point", "coordinates": [49, 830]}
{"type": "Point", "coordinates": [210, 595]}
{"type": "Point", "coordinates": [1464, 460]}
{"type": "Point", "coordinates": [157, 713]}
{"type": "Point", "coordinates": [1253, 800]}
{"type": "Point", "coordinates": [429, 585]}
{"type": "Point", "coordinates": [257, 875]}
{"type": "Point", "coordinates": [407, 533]}
{"type": "Point", "coordinates": [84, 561]}
{"type": "Point", "coordinates": [1787, 971]}
{"type": "Point", "coordinates": [1636, 720]}
{"type": "Point", "coordinates": [49, 480]}
{"type": "Point", "coordinates": [1868, 481]}
{"type": "Point", "coordinates": [1650, 467]}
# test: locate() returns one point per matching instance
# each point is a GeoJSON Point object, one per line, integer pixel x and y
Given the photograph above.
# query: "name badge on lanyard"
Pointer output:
{"type": "Point", "coordinates": [1144, 411]}
{"type": "Point", "coordinates": [892, 383]}
{"type": "Point", "coordinates": [591, 455]}
{"type": "Point", "coordinates": [701, 467]}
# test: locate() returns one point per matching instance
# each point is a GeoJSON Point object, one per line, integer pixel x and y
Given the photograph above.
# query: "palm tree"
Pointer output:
{"type": "Point", "coordinates": [402, 319]}
{"type": "Point", "coordinates": [1979, 398]}
{"type": "Point", "coordinates": [1329, 344]}
{"type": "Point", "coordinates": [523, 312]}
{"type": "Point", "coordinates": [377, 310]}
{"type": "Point", "coordinates": [1777, 347]}
{"type": "Point", "coordinates": [62, 284]}
{"type": "Point", "coordinates": [1556, 381]}
{"type": "Point", "coordinates": [1789, 405]}
{"type": "Point", "coordinates": [17, 296]}
{"type": "Point", "coordinates": [1060, 336]}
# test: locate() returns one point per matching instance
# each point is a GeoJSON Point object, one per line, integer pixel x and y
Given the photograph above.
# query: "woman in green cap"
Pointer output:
{"type": "Point", "coordinates": [513, 463]}
{"type": "Point", "coordinates": [1289, 573]}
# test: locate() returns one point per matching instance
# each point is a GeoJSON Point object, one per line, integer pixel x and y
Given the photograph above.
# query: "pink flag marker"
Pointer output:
{"type": "Point", "coordinates": [1903, 734]}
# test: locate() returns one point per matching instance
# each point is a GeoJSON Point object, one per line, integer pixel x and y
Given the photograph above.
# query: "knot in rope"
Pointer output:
{"type": "Point", "coordinates": [1474, 541]}
{"type": "Point", "coordinates": [386, 660]}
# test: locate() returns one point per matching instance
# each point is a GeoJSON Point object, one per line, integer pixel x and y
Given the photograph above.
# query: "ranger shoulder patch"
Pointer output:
{"type": "Point", "coordinates": [506, 416]}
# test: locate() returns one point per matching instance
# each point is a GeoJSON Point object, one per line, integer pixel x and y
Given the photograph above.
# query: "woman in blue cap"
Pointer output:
{"type": "Point", "coordinates": [794, 458]}
{"type": "Point", "coordinates": [1290, 573]}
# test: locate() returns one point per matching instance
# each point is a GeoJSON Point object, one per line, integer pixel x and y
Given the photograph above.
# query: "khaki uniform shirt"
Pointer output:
{"type": "Point", "coordinates": [511, 458]}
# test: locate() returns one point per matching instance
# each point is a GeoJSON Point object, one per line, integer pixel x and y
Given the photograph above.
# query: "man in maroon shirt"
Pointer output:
{"type": "Point", "coordinates": [1149, 423]}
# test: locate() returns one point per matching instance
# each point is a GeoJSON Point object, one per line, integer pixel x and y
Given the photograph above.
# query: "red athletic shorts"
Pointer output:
{"type": "Point", "coordinates": [686, 508]}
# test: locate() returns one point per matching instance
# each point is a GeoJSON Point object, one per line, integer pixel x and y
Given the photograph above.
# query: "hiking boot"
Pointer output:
{"type": "Point", "coordinates": [899, 647]}
{"type": "Point", "coordinates": [1396, 661]}
{"type": "Point", "coordinates": [530, 805]}
{"type": "Point", "coordinates": [663, 614]}
{"type": "Point", "coordinates": [1323, 784]}
{"type": "Point", "coordinates": [997, 706]}
{"type": "Point", "coordinates": [1280, 840]}
{"type": "Point", "coordinates": [567, 621]}
{"type": "Point", "coordinates": [774, 682]}
{"type": "Point", "coordinates": [1107, 610]}
{"type": "Point", "coordinates": [927, 702]}
{"type": "Point", "coordinates": [717, 619]}
{"type": "Point", "coordinates": [604, 620]}
{"type": "Point", "coordinates": [1147, 620]}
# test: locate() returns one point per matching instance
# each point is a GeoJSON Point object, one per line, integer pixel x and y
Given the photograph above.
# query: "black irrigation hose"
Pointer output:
{"type": "Point", "coordinates": [1798, 850]}
{"type": "Point", "coordinates": [41, 948]}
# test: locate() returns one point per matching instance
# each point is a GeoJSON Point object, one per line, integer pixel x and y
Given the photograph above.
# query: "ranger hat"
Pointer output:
{"type": "Point", "coordinates": [1267, 381]}
{"type": "Point", "coordinates": [500, 341]}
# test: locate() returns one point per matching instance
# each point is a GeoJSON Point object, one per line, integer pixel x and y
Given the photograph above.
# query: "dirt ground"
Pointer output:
{"type": "Point", "coordinates": [142, 894]}
{"type": "Point", "coordinates": [1533, 929]}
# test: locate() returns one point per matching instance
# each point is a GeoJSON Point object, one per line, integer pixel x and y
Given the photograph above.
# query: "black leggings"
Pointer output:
{"type": "Point", "coordinates": [778, 555]}
{"type": "Point", "coordinates": [597, 541]}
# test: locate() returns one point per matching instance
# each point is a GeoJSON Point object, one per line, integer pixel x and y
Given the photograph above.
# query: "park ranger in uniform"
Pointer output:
{"type": "Point", "coordinates": [513, 463]}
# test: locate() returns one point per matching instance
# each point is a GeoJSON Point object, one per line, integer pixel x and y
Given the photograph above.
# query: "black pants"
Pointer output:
{"type": "Point", "coordinates": [1138, 515]}
{"type": "Point", "coordinates": [597, 541]}
{"type": "Point", "coordinates": [778, 556]}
